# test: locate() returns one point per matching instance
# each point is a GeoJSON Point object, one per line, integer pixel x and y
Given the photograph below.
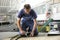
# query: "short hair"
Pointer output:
{"type": "Point", "coordinates": [27, 6]}
{"type": "Point", "coordinates": [49, 13]}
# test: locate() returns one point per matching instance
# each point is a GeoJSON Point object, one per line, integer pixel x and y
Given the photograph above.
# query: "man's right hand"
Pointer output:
{"type": "Point", "coordinates": [22, 32]}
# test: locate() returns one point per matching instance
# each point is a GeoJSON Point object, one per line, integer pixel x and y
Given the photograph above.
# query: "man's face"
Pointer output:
{"type": "Point", "coordinates": [27, 10]}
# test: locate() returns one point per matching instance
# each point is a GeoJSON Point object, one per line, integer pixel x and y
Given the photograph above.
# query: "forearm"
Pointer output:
{"type": "Point", "coordinates": [18, 25]}
{"type": "Point", "coordinates": [34, 26]}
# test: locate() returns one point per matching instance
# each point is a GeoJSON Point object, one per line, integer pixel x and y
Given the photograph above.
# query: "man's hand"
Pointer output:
{"type": "Point", "coordinates": [22, 32]}
{"type": "Point", "coordinates": [32, 34]}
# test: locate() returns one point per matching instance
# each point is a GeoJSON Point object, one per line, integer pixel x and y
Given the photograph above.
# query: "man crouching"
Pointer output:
{"type": "Point", "coordinates": [28, 17]}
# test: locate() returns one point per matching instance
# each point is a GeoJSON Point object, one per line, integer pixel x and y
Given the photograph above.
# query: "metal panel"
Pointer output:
{"type": "Point", "coordinates": [4, 2]}
{"type": "Point", "coordinates": [56, 1]}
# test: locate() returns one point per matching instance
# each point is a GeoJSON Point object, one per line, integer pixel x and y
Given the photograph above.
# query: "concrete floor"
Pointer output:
{"type": "Point", "coordinates": [42, 36]}
{"type": "Point", "coordinates": [39, 38]}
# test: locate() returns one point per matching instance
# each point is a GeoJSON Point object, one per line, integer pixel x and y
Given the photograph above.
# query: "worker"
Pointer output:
{"type": "Point", "coordinates": [28, 17]}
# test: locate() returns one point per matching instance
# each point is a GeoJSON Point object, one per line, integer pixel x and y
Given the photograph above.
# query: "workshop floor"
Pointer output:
{"type": "Point", "coordinates": [40, 37]}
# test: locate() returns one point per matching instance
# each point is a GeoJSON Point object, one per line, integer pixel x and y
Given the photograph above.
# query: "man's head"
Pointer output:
{"type": "Point", "coordinates": [27, 8]}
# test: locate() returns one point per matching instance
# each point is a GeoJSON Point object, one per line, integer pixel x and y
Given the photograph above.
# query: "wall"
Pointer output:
{"type": "Point", "coordinates": [55, 7]}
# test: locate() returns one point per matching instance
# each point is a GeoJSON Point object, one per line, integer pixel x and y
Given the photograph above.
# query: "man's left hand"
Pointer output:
{"type": "Point", "coordinates": [32, 34]}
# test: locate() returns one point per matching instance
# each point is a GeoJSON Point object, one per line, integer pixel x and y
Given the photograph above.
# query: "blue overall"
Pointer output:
{"type": "Point", "coordinates": [27, 20]}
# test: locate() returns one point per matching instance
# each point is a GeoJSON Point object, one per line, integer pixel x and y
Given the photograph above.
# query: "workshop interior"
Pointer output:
{"type": "Point", "coordinates": [48, 18]}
